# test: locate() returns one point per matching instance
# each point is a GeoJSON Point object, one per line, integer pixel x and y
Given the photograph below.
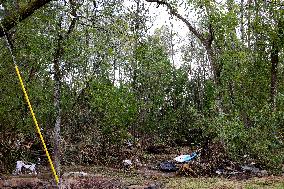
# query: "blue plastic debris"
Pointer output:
{"type": "Point", "coordinates": [168, 167]}
{"type": "Point", "coordinates": [185, 158]}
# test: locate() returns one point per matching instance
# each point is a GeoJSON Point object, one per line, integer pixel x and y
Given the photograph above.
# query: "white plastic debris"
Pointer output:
{"type": "Point", "coordinates": [185, 158]}
{"type": "Point", "coordinates": [127, 162]}
{"type": "Point", "coordinates": [75, 174]}
{"type": "Point", "coordinates": [129, 144]}
{"type": "Point", "coordinates": [29, 166]}
{"type": "Point", "coordinates": [219, 172]}
{"type": "Point", "coordinates": [252, 169]}
{"type": "Point", "coordinates": [138, 163]}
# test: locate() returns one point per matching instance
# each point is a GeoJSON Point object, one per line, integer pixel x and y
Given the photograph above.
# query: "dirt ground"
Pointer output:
{"type": "Point", "coordinates": [144, 178]}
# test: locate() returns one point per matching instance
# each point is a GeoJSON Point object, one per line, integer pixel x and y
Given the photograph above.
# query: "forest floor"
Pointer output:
{"type": "Point", "coordinates": [109, 178]}
{"type": "Point", "coordinates": [147, 176]}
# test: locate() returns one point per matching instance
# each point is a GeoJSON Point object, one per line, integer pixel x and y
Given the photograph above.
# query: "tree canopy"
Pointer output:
{"type": "Point", "coordinates": [98, 77]}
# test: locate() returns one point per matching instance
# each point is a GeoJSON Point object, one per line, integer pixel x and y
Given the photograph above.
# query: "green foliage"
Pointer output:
{"type": "Point", "coordinates": [114, 109]}
{"type": "Point", "coordinates": [261, 143]}
{"type": "Point", "coordinates": [117, 80]}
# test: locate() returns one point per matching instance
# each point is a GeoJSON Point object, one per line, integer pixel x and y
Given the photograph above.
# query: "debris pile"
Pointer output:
{"type": "Point", "coordinates": [23, 167]}
{"type": "Point", "coordinates": [211, 162]}
{"type": "Point", "coordinates": [168, 166]}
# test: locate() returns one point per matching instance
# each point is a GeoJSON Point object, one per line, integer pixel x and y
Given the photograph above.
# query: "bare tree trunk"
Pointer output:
{"type": "Point", "coordinates": [199, 90]}
{"type": "Point", "coordinates": [59, 51]}
{"type": "Point", "coordinates": [273, 85]}
{"type": "Point", "coordinates": [114, 69]}
{"type": "Point", "coordinates": [249, 24]}
{"type": "Point", "coordinates": [173, 62]}
{"type": "Point", "coordinates": [242, 21]}
{"type": "Point", "coordinates": [216, 77]}
{"type": "Point", "coordinates": [134, 62]}
{"type": "Point", "coordinates": [276, 46]}
{"type": "Point", "coordinates": [57, 102]}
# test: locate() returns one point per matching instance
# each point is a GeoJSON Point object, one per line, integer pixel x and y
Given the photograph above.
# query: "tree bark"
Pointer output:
{"type": "Point", "coordinates": [242, 21]}
{"type": "Point", "coordinates": [59, 51]}
{"type": "Point", "coordinates": [273, 85]}
{"type": "Point", "coordinates": [18, 15]}
{"type": "Point", "coordinates": [277, 45]}
{"type": "Point", "coordinates": [249, 4]}
{"type": "Point", "coordinates": [57, 102]}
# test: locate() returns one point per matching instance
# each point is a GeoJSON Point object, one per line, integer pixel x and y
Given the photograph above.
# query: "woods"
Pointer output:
{"type": "Point", "coordinates": [98, 78]}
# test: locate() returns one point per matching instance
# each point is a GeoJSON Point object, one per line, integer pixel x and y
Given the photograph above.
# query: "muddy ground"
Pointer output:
{"type": "Point", "coordinates": [143, 178]}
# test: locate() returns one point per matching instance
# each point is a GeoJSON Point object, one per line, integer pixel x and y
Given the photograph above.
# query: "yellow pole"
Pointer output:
{"type": "Point", "coordinates": [36, 124]}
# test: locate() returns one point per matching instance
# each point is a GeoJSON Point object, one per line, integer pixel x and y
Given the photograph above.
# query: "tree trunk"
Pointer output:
{"type": "Point", "coordinates": [277, 45]}
{"type": "Point", "coordinates": [57, 103]}
{"type": "Point", "coordinates": [249, 24]}
{"type": "Point", "coordinates": [59, 51]}
{"type": "Point", "coordinates": [273, 85]}
{"type": "Point", "coordinates": [216, 77]}
{"type": "Point", "coordinates": [242, 21]}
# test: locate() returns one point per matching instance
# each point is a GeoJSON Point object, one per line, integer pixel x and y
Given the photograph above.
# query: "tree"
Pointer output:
{"type": "Point", "coordinates": [16, 15]}
{"type": "Point", "coordinates": [206, 38]}
{"type": "Point", "coordinates": [276, 46]}
{"type": "Point", "coordinates": [97, 78]}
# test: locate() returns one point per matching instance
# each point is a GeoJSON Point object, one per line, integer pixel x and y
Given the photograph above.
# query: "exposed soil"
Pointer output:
{"type": "Point", "coordinates": [96, 177]}
{"type": "Point", "coordinates": [145, 176]}
{"type": "Point", "coordinates": [110, 178]}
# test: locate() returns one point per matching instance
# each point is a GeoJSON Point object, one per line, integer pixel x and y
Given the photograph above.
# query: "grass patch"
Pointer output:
{"type": "Point", "coordinates": [221, 183]}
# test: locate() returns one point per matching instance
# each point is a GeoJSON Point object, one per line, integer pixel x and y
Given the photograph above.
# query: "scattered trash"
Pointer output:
{"type": "Point", "coordinates": [254, 170]}
{"type": "Point", "coordinates": [185, 158]}
{"type": "Point", "coordinates": [151, 186]}
{"type": "Point", "coordinates": [226, 172]}
{"type": "Point", "coordinates": [75, 174]}
{"type": "Point", "coordinates": [263, 173]}
{"type": "Point", "coordinates": [251, 169]}
{"type": "Point", "coordinates": [244, 170]}
{"type": "Point", "coordinates": [29, 166]}
{"type": "Point", "coordinates": [129, 144]}
{"type": "Point", "coordinates": [131, 163]}
{"type": "Point", "coordinates": [168, 166]}
{"type": "Point", "coordinates": [138, 163]}
{"type": "Point", "coordinates": [127, 163]}
{"type": "Point", "coordinates": [219, 171]}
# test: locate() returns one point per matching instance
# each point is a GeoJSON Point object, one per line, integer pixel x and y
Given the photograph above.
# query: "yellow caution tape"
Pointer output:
{"type": "Point", "coordinates": [37, 127]}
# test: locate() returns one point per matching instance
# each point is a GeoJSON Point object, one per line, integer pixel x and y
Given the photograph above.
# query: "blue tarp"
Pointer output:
{"type": "Point", "coordinates": [185, 158]}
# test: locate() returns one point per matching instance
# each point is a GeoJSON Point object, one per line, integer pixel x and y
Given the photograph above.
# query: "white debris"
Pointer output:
{"type": "Point", "coordinates": [185, 158]}
{"type": "Point", "coordinates": [219, 172]}
{"type": "Point", "coordinates": [83, 174]}
{"type": "Point", "coordinates": [138, 163]}
{"type": "Point", "coordinates": [127, 162]}
{"type": "Point", "coordinates": [29, 166]}
{"type": "Point", "coordinates": [129, 144]}
{"type": "Point", "coordinates": [250, 169]}
{"type": "Point", "coordinates": [76, 174]}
